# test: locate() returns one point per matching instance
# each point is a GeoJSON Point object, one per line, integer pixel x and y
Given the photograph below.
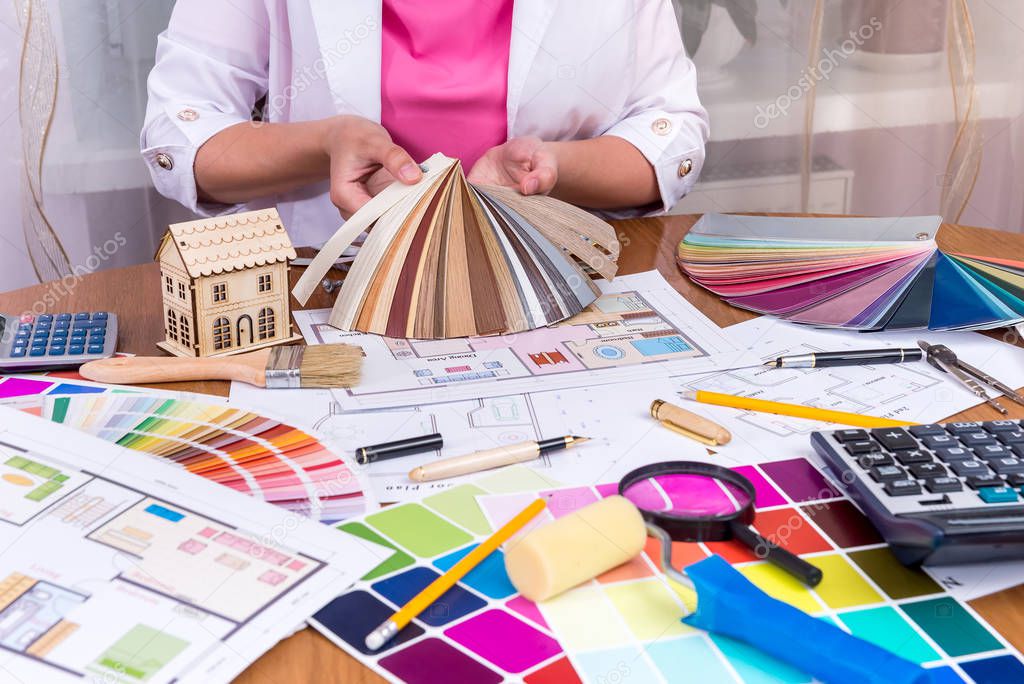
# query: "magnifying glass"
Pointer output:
{"type": "Point", "coordinates": [702, 502]}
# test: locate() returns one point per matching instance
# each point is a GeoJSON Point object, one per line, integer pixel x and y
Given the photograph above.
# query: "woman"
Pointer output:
{"type": "Point", "coordinates": [594, 103]}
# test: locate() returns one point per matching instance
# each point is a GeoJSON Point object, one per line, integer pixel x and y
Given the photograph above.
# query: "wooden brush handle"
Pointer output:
{"type": "Point", "coordinates": [250, 368]}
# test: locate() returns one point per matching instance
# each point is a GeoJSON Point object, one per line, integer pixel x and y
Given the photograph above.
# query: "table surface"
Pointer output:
{"type": "Point", "coordinates": [133, 293]}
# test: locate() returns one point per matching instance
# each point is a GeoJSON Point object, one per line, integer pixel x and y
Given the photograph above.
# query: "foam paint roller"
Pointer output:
{"type": "Point", "coordinates": [582, 545]}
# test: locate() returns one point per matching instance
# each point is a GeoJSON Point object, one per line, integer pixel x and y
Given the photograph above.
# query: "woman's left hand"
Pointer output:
{"type": "Point", "coordinates": [527, 164]}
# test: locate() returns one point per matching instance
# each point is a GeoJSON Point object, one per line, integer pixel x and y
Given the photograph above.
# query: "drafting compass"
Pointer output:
{"type": "Point", "coordinates": [942, 357]}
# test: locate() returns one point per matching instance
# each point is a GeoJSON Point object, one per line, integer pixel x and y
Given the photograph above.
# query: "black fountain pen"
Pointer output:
{"type": "Point", "coordinates": [854, 357]}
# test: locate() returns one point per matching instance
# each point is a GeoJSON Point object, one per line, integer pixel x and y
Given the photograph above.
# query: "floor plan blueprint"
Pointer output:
{"type": "Point", "coordinates": [117, 568]}
{"type": "Point", "coordinates": [639, 328]}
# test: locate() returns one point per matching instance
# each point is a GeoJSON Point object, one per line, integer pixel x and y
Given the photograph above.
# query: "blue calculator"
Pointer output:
{"type": "Point", "coordinates": [53, 341]}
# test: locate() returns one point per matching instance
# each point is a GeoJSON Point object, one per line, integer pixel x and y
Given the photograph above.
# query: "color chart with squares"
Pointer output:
{"type": "Point", "coordinates": [625, 626]}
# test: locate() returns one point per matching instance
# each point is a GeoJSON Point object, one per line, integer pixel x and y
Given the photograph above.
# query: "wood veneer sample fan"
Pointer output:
{"type": "Point", "coordinates": [445, 258]}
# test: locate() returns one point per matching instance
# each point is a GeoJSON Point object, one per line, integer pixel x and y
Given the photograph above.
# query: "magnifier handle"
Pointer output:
{"type": "Point", "coordinates": [775, 554]}
{"type": "Point", "coordinates": [729, 604]}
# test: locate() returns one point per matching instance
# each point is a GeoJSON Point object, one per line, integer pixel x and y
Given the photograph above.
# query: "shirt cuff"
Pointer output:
{"type": "Point", "coordinates": [675, 148]}
{"type": "Point", "coordinates": [169, 147]}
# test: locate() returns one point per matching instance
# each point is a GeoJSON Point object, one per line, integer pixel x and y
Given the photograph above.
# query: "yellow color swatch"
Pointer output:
{"type": "Point", "coordinates": [781, 585]}
{"type": "Point", "coordinates": [650, 609]}
{"type": "Point", "coordinates": [842, 586]}
{"type": "Point", "coordinates": [585, 620]}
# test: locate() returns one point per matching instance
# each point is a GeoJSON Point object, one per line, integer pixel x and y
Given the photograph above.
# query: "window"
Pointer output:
{"type": "Point", "coordinates": [263, 283]}
{"type": "Point", "coordinates": [221, 333]}
{"type": "Point", "coordinates": [266, 323]}
{"type": "Point", "coordinates": [220, 292]}
{"type": "Point", "coordinates": [186, 335]}
{"type": "Point", "coordinates": [169, 284]}
{"type": "Point", "coordinates": [172, 326]}
{"type": "Point", "coordinates": [181, 290]}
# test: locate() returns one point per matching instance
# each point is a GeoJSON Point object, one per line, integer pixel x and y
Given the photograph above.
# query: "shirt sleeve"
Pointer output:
{"type": "Point", "coordinates": [664, 118]}
{"type": "Point", "coordinates": [211, 68]}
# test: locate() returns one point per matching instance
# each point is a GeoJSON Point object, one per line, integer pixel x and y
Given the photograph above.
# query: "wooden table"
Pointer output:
{"type": "Point", "coordinates": [134, 295]}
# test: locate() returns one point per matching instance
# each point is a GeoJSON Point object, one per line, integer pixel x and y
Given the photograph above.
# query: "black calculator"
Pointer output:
{"type": "Point", "coordinates": [941, 494]}
{"type": "Point", "coordinates": [53, 341]}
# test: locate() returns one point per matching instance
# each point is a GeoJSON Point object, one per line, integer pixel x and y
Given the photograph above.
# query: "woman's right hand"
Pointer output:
{"type": "Point", "coordinates": [361, 154]}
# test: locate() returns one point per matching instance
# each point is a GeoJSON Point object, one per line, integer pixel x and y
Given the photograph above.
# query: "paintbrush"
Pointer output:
{"type": "Point", "coordinates": [288, 367]}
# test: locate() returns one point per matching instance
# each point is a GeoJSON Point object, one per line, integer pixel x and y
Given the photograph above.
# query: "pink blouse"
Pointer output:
{"type": "Point", "coordinates": [444, 76]}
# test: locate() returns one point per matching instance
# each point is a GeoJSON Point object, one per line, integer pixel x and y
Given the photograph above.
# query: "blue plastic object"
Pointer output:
{"type": "Point", "coordinates": [728, 603]}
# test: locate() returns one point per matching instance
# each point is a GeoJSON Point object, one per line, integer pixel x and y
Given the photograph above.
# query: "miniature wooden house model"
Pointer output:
{"type": "Point", "coordinates": [225, 284]}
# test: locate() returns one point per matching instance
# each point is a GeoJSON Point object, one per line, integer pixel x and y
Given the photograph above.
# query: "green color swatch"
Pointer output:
{"type": "Point", "coordinates": [60, 409]}
{"type": "Point", "coordinates": [886, 628]}
{"type": "Point", "coordinates": [951, 626]}
{"type": "Point", "coordinates": [459, 504]}
{"type": "Point", "coordinates": [396, 561]}
{"type": "Point", "coordinates": [415, 528]}
{"type": "Point", "coordinates": [141, 652]}
{"type": "Point", "coordinates": [515, 479]}
{"type": "Point", "coordinates": [895, 579]}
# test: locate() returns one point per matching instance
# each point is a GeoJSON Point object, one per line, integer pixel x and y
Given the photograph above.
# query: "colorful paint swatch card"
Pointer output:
{"type": "Point", "coordinates": [625, 625]}
{"type": "Point", "coordinates": [245, 450]}
{"type": "Point", "coordinates": [855, 273]}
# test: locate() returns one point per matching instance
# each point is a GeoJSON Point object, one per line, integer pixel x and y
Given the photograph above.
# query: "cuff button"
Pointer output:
{"type": "Point", "coordinates": [188, 115]}
{"type": "Point", "coordinates": [661, 126]}
{"type": "Point", "coordinates": [685, 168]}
{"type": "Point", "coordinates": [164, 161]}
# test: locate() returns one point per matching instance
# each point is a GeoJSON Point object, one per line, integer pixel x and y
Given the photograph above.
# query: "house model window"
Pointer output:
{"type": "Point", "coordinates": [221, 333]}
{"type": "Point", "coordinates": [220, 292]}
{"type": "Point", "coordinates": [266, 323]}
{"type": "Point", "coordinates": [202, 261]}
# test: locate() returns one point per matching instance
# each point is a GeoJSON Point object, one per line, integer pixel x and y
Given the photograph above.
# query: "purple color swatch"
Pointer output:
{"type": "Point", "coordinates": [765, 494]}
{"type": "Point", "coordinates": [528, 609]}
{"type": "Point", "coordinates": [504, 640]}
{"type": "Point", "coordinates": [19, 387]}
{"type": "Point", "coordinates": [799, 480]}
{"type": "Point", "coordinates": [565, 501]}
{"type": "Point", "coordinates": [432, 661]}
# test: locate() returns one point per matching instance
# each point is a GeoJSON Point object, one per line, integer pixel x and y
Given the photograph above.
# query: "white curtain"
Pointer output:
{"type": "Point", "coordinates": [78, 70]}
{"type": "Point", "coordinates": [886, 136]}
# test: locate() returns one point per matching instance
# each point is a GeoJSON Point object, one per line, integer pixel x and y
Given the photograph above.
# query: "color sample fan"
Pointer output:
{"type": "Point", "coordinates": [240, 449]}
{"type": "Point", "coordinates": [856, 273]}
{"type": "Point", "coordinates": [445, 258]}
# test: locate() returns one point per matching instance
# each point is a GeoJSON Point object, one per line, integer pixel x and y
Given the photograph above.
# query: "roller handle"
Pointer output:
{"type": "Point", "coordinates": [729, 604]}
{"type": "Point", "coordinates": [808, 574]}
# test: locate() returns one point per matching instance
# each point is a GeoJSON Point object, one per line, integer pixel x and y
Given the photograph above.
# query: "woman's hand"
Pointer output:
{"type": "Point", "coordinates": [527, 164]}
{"type": "Point", "coordinates": [364, 160]}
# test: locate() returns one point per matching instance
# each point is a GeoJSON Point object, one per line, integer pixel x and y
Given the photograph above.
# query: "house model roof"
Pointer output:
{"type": "Point", "coordinates": [230, 243]}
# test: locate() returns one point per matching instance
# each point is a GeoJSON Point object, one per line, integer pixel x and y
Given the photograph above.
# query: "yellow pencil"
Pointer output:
{"type": "Point", "coordinates": [421, 601]}
{"type": "Point", "coordinates": [795, 410]}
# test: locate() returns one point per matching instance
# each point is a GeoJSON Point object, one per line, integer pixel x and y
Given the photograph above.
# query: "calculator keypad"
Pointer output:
{"type": "Point", "coordinates": [55, 339]}
{"type": "Point", "coordinates": [970, 463]}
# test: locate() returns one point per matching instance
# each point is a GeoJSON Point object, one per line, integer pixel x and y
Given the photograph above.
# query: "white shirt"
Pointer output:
{"type": "Point", "coordinates": [577, 69]}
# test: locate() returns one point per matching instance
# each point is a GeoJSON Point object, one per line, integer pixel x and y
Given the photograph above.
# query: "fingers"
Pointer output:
{"type": "Point", "coordinates": [349, 197]}
{"type": "Point", "coordinates": [398, 163]}
{"type": "Point", "coordinates": [543, 173]}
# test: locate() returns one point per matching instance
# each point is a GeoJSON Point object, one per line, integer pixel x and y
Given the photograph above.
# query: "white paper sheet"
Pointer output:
{"type": "Point", "coordinates": [641, 328]}
{"type": "Point", "coordinates": [118, 568]}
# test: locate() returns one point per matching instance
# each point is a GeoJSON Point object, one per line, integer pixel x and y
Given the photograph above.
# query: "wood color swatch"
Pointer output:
{"type": "Point", "coordinates": [856, 273]}
{"type": "Point", "coordinates": [445, 258]}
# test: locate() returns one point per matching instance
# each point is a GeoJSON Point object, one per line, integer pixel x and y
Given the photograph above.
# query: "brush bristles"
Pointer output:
{"type": "Point", "coordinates": [330, 365]}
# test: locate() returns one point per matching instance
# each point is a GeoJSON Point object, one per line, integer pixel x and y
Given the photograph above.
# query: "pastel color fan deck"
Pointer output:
{"type": "Point", "coordinates": [857, 273]}
{"type": "Point", "coordinates": [445, 258]}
